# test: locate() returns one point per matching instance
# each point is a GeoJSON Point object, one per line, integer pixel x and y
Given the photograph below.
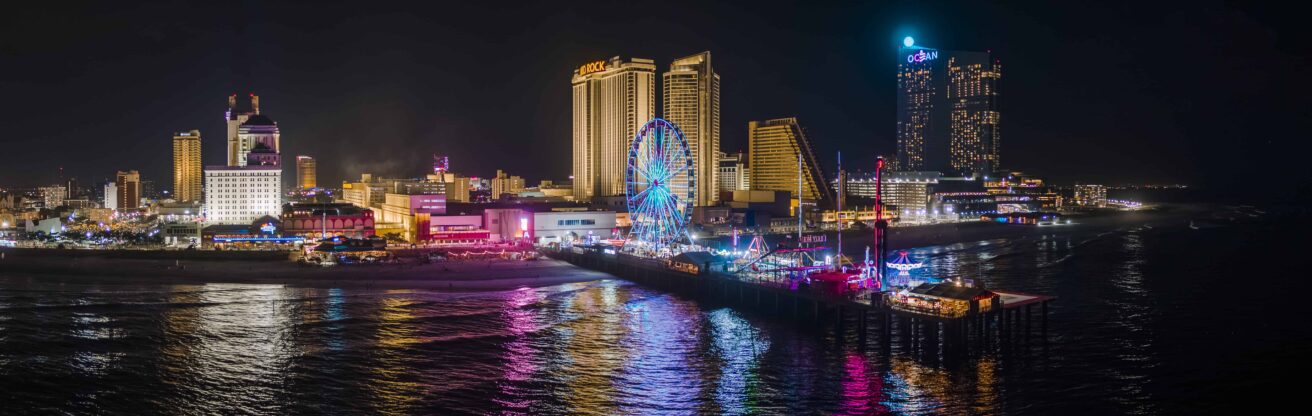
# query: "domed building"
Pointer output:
{"type": "Point", "coordinates": [257, 130]}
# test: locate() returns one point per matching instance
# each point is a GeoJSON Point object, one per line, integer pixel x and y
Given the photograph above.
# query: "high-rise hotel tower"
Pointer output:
{"type": "Point", "coordinates": [947, 111]}
{"type": "Point", "coordinates": [692, 102]}
{"type": "Point", "coordinates": [249, 187]}
{"type": "Point", "coordinates": [774, 147]}
{"type": "Point", "coordinates": [306, 177]}
{"type": "Point", "coordinates": [186, 166]}
{"type": "Point", "coordinates": [612, 100]}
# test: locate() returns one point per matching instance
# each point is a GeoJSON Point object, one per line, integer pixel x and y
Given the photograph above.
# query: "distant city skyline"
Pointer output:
{"type": "Point", "coordinates": [1081, 103]}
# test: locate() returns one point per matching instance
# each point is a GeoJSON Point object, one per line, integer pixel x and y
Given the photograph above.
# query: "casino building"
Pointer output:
{"type": "Point", "coordinates": [947, 111]}
{"type": "Point", "coordinates": [241, 194]}
{"type": "Point", "coordinates": [612, 100]}
{"type": "Point", "coordinates": [318, 220]}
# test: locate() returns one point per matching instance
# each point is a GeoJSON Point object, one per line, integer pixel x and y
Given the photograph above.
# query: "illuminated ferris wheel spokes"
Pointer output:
{"type": "Point", "coordinates": [659, 182]}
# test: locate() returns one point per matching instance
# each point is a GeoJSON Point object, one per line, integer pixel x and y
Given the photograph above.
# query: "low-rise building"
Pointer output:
{"type": "Point", "coordinates": [179, 222]}
{"type": "Point", "coordinates": [457, 229]}
{"type": "Point", "coordinates": [560, 226]}
{"type": "Point", "coordinates": [318, 220]}
{"type": "Point", "coordinates": [510, 224]}
{"type": "Point", "coordinates": [411, 213]}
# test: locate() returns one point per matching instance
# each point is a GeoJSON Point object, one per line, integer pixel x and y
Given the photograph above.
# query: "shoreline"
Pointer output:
{"type": "Point", "coordinates": [478, 275]}
{"type": "Point", "coordinates": [200, 267]}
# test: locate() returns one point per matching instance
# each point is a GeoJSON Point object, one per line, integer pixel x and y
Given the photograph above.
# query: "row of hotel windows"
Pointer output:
{"type": "Point", "coordinates": [576, 222]}
{"type": "Point", "coordinates": [247, 174]}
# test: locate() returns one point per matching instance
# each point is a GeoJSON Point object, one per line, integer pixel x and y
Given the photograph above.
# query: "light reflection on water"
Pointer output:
{"type": "Point", "coordinates": [606, 347]}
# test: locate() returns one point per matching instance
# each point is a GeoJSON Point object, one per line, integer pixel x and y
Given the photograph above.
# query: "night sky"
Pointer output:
{"type": "Point", "coordinates": [1203, 93]}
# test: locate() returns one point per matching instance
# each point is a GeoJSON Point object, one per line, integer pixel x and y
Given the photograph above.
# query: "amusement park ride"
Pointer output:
{"type": "Point", "coordinates": [660, 185]}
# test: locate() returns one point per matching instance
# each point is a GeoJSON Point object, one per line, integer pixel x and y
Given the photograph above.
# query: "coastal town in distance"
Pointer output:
{"type": "Point", "coordinates": [914, 214]}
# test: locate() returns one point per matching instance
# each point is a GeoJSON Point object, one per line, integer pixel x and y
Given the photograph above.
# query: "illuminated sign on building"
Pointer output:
{"type": "Point", "coordinates": [922, 56]}
{"type": "Point", "coordinates": [591, 67]}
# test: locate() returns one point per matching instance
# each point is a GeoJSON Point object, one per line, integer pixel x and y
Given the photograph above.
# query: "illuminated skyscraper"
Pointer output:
{"type": "Point", "coordinates": [947, 111]}
{"type": "Point", "coordinates": [773, 148]}
{"type": "Point", "coordinates": [692, 102]}
{"type": "Point", "coordinates": [612, 100]}
{"type": "Point", "coordinates": [186, 166]}
{"type": "Point", "coordinates": [128, 186]}
{"type": "Point", "coordinates": [305, 172]}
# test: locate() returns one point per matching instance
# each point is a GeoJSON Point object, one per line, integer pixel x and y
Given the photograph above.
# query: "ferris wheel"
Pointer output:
{"type": "Point", "coordinates": [660, 180]}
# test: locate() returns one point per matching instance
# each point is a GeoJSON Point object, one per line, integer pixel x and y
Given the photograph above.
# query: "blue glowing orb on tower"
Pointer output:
{"type": "Point", "coordinates": [660, 183]}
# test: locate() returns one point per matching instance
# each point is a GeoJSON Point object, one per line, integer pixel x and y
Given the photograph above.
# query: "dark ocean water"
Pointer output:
{"type": "Point", "coordinates": [1161, 320]}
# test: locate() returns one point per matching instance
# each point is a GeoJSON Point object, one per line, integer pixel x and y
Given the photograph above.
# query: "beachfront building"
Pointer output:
{"type": "Point", "coordinates": [318, 220]}
{"type": "Point", "coordinates": [456, 230]}
{"type": "Point", "coordinates": [612, 100]}
{"type": "Point", "coordinates": [691, 101]}
{"type": "Point", "coordinates": [514, 224]}
{"type": "Point", "coordinates": [947, 111]}
{"type": "Point", "coordinates": [408, 214]}
{"type": "Point", "coordinates": [241, 194]}
{"type": "Point", "coordinates": [1092, 196]}
{"type": "Point", "coordinates": [974, 205]}
{"type": "Point", "coordinates": [261, 233]}
{"type": "Point", "coordinates": [558, 226]}
{"type": "Point", "coordinates": [179, 222]}
{"type": "Point", "coordinates": [775, 148]}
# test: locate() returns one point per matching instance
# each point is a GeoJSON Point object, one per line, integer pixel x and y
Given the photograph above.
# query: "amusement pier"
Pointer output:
{"type": "Point", "coordinates": [806, 281]}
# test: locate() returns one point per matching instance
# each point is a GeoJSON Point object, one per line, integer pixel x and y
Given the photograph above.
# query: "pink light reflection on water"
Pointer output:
{"type": "Point", "coordinates": [862, 392]}
{"type": "Point", "coordinates": [520, 352]}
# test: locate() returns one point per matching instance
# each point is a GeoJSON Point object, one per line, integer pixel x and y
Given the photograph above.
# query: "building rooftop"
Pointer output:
{"type": "Point", "coordinates": [951, 291]}
{"type": "Point", "coordinates": [251, 167]}
{"type": "Point", "coordinates": [259, 120]}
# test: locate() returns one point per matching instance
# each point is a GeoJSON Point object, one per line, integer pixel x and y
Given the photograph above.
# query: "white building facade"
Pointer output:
{"type": "Point", "coordinates": [553, 226]}
{"type": "Point", "coordinates": [111, 196]}
{"type": "Point", "coordinates": [242, 194]}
